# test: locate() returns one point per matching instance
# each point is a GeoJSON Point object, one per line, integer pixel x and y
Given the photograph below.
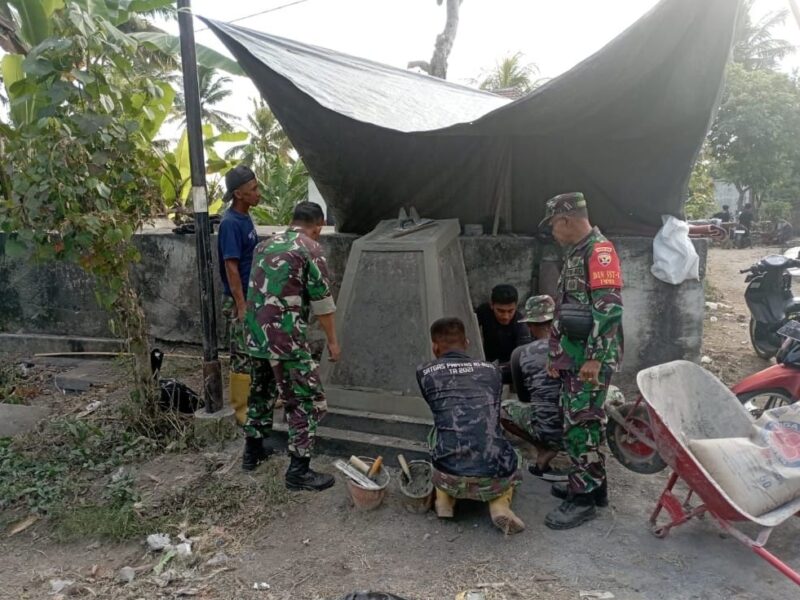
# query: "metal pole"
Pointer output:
{"type": "Point", "coordinates": [212, 380]}
{"type": "Point", "coordinates": [795, 11]}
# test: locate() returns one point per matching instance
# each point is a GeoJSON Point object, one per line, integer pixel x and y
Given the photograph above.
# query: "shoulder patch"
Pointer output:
{"type": "Point", "coordinates": [604, 269]}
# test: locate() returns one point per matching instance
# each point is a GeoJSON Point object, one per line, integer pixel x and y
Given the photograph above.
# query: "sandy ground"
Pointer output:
{"type": "Point", "coordinates": [318, 546]}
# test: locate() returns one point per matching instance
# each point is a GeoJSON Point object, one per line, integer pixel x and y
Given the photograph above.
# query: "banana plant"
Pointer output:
{"type": "Point", "coordinates": [175, 172]}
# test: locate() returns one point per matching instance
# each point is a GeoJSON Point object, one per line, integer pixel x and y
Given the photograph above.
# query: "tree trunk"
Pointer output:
{"type": "Point", "coordinates": [742, 193]}
{"type": "Point", "coordinates": [445, 40]}
{"type": "Point", "coordinates": [443, 46]}
{"type": "Point", "coordinates": [133, 327]}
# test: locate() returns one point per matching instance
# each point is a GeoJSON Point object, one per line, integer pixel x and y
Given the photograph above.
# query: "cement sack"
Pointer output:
{"type": "Point", "coordinates": [760, 472]}
{"type": "Point", "coordinates": [674, 258]}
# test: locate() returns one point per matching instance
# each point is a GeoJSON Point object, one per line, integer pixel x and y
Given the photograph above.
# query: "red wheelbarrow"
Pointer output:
{"type": "Point", "coordinates": [685, 402]}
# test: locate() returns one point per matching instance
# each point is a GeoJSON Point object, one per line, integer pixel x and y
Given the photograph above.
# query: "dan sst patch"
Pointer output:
{"type": "Point", "coordinates": [604, 271]}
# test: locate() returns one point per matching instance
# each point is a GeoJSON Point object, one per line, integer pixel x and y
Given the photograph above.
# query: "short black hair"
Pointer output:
{"type": "Point", "coordinates": [309, 213]}
{"type": "Point", "coordinates": [449, 331]}
{"type": "Point", "coordinates": [725, 207]}
{"type": "Point", "coordinates": [504, 294]}
{"type": "Point", "coordinates": [748, 205]}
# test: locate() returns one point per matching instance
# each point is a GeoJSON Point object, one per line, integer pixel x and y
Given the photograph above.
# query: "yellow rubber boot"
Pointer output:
{"type": "Point", "coordinates": [444, 505]}
{"type": "Point", "coordinates": [502, 515]}
{"type": "Point", "coordinates": [239, 391]}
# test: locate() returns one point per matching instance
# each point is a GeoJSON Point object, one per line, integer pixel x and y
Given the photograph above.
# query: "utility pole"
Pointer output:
{"type": "Point", "coordinates": [212, 378]}
{"type": "Point", "coordinates": [795, 11]}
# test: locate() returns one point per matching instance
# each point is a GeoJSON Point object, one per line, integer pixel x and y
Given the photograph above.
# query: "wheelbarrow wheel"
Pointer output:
{"type": "Point", "coordinates": [631, 452]}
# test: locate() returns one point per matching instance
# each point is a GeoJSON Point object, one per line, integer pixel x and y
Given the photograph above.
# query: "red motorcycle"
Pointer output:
{"type": "Point", "coordinates": [631, 440]}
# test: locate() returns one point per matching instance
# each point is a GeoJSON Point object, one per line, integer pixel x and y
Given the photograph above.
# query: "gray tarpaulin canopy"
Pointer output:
{"type": "Point", "coordinates": [624, 126]}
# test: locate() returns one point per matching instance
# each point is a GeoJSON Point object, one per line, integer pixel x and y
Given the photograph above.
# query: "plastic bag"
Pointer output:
{"type": "Point", "coordinates": [674, 258]}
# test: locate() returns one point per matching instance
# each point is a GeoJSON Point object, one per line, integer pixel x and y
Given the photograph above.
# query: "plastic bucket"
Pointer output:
{"type": "Point", "coordinates": [364, 499]}
{"type": "Point", "coordinates": [418, 494]}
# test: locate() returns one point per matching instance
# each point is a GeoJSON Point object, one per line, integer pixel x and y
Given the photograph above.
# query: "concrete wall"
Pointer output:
{"type": "Point", "coordinates": [662, 322]}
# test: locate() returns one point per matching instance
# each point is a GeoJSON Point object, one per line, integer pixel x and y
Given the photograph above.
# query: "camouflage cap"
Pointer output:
{"type": "Point", "coordinates": [563, 203]}
{"type": "Point", "coordinates": [539, 309]}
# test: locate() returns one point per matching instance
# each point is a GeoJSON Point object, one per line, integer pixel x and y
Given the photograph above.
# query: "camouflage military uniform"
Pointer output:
{"type": "Point", "coordinates": [590, 276]}
{"type": "Point", "coordinates": [234, 333]}
{"type": "Point", "coordinates": [289, 278]}
{"type": "Point", "coordinates": [471, 457]}
{"type": "Point", "coordinates": [538, 409]}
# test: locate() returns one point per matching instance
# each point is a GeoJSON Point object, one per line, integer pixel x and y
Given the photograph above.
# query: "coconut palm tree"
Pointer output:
{"type": "Point", "coordinates": [511, 73]}
{"type": "Point", "coordinates": [213, 90]}
{"type": "Point", "coordinates": [267, 138]}
{"type": "Point", "coordinates": [754, 45]}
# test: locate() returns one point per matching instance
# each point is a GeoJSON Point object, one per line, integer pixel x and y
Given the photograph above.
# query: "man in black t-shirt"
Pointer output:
{"type": "Point", "coordinates": [501, 329]}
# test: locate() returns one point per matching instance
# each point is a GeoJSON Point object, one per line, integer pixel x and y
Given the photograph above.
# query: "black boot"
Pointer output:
{"type": "Point", "coordinates": [572, 512]}
{"type": "Point", "coordinates": [600, 494]}
{"type": "Point", "coordinates": [299, 476]}
{"type": "Point", "coordinates": [273, 445]}
{"type": "Point", "coordinates": [254, 453]}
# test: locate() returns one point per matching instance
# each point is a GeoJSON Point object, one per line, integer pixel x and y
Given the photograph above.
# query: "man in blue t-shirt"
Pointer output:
{"type": "Point", "coordinates": [236, 242]}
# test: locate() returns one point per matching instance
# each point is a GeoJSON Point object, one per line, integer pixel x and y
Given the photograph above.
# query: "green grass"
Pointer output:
{"type": "Point", "coordinates": [102, 522]}
{"type": "Point", "coordinates": [712, 294]}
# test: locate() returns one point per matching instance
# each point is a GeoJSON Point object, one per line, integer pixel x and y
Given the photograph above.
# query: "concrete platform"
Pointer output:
{"type": "Point", "coordinates": [32, 343]}
{"type": "Point", "coordinates": [88, 374]}
{"type": "Point", "coordinates": [16, 419]}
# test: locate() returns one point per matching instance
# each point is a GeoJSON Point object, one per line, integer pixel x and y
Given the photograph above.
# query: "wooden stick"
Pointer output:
{"type": "Point", "coordinates": [404, 466]}
{"type": "Point", "coordinates": [376, 467]}
{"type": "Point", "coordinates": [359, 464]}
{"type": "Point", "coordinates": [68, 354]}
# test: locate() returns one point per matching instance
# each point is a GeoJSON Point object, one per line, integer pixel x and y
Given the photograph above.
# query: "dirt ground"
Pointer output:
{"type": "Point", "coordinates": [316, 546]}
{"type": "Point", "coordinates": [725, 327]}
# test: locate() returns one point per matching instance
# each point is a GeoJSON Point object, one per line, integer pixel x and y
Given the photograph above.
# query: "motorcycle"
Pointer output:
{"type": "Point", "coordinates": [628, 431]}
{"type": "Point", "coordinates": [770, 301]}
{"type": "Point", "coordinates": [778, 385]}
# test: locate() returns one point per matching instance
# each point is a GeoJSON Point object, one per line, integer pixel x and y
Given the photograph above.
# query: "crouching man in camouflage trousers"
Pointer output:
{"type": "Point", "coordinates": [536, 416]}
{"type": "Point", "coordinates": [288, 280]}
{"type": "Point", "coordinates": [585, 349]}
{"type": "Point", "coordinates": [472, 459]}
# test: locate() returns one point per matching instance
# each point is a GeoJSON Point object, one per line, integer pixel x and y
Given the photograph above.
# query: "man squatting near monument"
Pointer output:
{"type": "Point", "coordinates": [289, 279]}
{"type": "Point", "coordinates": [501, 327]}
{"type": "Point", "coordinates": [535, 415]}
{"type": "Point", "coordinates": [472, 458]}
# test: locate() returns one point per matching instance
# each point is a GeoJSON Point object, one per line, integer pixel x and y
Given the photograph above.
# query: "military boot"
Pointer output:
{"type": "Point", "coordinates": [254, 453]}
{"type": "Point", "coordinates": [445, 505]}
{"type": "Point", "coordinates": [502, 515]}
{"type": "Point", "coordinates": [572, 512]}
{"type": "Point", "coordinates": [300, 476]}
{"type": "Point", "coordinates": [600, 494]}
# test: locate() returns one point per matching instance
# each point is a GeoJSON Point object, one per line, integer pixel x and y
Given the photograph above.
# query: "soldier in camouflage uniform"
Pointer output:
{"type": "Point", "coordinates": [472, 459]}
{"type": "Point", "coordinates": [536, 415]}
{"type": "Point", "coordinates": [585, 349]}
{"type": "Point", "coordinates": [288, 280]}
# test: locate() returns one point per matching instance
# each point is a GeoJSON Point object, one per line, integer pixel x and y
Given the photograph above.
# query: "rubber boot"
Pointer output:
{"type": "Point", "coordinates": [600, 494]}
{"type": "Point", "coordinates": [239, 390]}
{"type": "Point", "coordinates": [300, 476]}
{"type": "Point", "coordinates": [445, 504]}
{"type": "Point", "coordinates": [254, 453]}
{"type": "Point", "coordinates": [572, 512]}
{"type": "Point", "coordinates": [502, 515]}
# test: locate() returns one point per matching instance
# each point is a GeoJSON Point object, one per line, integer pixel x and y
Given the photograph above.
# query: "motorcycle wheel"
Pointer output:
{"type": "Point", "coordinates": [762, 351]}
{"type": "Point", "coordinates": [759, 401]}
{"type": "Point", "coordinates": [627, 449]}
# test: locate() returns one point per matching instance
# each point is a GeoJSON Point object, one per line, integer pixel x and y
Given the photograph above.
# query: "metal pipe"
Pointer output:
{"type": "Point", "coordinates": [795, 10]}
{"type": "Point", "coordinates": [212, 379]}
